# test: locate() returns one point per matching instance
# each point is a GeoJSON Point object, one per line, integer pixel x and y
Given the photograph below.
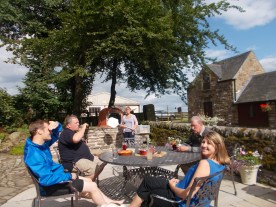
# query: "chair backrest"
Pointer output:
{"type": "Point", "coordinates": [35, 181]}
{"type": "Point", "coordinates": [208, 191]}
{"type": "Point", "coordinates": [68, 190]}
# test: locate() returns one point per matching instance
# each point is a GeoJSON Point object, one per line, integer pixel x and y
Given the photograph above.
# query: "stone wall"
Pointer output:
{"type": "Point", "coordinates": [225, 131]}
{"type": "Point", "coordinates": [220, 94]}
{"type": "Point", "coordinates": [100, 138]}
{"type": "Point", "coordinates": [251, 66]}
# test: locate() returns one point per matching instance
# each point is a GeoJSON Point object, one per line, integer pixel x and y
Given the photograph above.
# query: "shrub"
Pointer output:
{"type": "Point", "coordinates": [18, 149]}
{"type": "Point", "coordinates": [9, 115]}
{"type": "Point", "coordinates": [159, 136]}
{"type": "Point", "coordinates": [211, 121]}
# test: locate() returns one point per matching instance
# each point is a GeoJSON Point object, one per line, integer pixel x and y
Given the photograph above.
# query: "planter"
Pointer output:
{"type": "Point", "coordinates": [249, 174]}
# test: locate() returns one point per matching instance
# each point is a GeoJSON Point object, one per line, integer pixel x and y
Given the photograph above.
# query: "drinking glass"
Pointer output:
{"type": "Point", "coordinates": [124, 145]}
{"type": "Point", "coordinates": [115, 153]}
{"type": "Point", "coordinates": [149, 154]}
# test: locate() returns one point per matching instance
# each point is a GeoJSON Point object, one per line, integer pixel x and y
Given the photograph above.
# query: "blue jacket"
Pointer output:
{"type": "Point", "coordinates": [39, 159]}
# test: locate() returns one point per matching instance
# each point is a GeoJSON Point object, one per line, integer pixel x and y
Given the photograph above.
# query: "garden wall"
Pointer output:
{"type": "Point", "coordinates": [263, 140]}
{"type": "Point", "coordinates": [100, 138]}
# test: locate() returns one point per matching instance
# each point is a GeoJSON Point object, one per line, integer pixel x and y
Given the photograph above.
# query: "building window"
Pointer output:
{"type": "Point", "coordinates": [208, 109]}
{"type": "Point", "coordinates": [206, 81]}
{"type": "Point", "coordinates": [94, 110]}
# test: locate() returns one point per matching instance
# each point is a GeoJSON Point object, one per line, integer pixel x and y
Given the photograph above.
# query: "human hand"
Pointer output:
{"type": "Point", "coordinates": [85, 125]}
{"type": "Point", "coordinates": [52, 125]}
{"type": "Point", "coordinates": [183, 148]}
{"type": "Point", "coordinates": [173, 181]}
{"type": "Point", "coordinates": [74, 176]}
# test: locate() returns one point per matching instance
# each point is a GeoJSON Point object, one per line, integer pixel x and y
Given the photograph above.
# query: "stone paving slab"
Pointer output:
{"type": "Point", "coordinates": [13, 176]}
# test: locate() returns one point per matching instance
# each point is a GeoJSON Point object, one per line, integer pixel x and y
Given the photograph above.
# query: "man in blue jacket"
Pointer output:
{"type": "Point", "coordinates": [38, 158]}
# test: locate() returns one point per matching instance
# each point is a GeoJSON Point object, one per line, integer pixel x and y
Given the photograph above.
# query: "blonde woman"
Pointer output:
{"type": "Point", "coordinates": [214, 157]}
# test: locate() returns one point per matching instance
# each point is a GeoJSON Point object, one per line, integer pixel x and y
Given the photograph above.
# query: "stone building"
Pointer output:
{"type": "Point", "coordinates": [235, 89]}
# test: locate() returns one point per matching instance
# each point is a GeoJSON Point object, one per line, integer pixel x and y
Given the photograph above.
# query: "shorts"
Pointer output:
{"type": "Point", "coordinates": [87, 167]}
{"type": "Point", "coordinates": [61, 188]}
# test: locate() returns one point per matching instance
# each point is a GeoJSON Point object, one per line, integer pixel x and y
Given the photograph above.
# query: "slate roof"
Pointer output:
{"type": "Point", "coordinates": [228, 68]}
{"type": "Point", "coordinates": [261, 87]}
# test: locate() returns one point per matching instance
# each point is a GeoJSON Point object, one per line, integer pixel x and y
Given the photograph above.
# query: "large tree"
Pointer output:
{"type": "Point", "coordinates": [149, 44]}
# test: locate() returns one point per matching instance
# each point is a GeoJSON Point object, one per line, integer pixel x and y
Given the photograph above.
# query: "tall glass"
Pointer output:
{"type": "Point", "coordinates": [115, 153]}
{"type": "Point", "coordinates": [149, 154]}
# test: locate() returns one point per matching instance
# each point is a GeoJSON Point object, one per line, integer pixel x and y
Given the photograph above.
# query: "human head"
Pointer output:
{"type": "Point", "coordinates": [40, 127]}
{"type": "Point", "coordinates": [220, 154]}
{"type": "Point", "coordinates": [127, 110]}
{"type": "Point", "coordinates": [196, 124]}
{"type": "Point", "coordinates": [72, 122]}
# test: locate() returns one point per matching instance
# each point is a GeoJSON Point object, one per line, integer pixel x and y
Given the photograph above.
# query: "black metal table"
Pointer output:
{"type": "Point", "coordinates": [172, 158]}
{"type": "Point", "coordinates": [150, 167]}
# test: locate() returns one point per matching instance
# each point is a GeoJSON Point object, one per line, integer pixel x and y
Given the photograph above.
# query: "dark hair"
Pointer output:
{"type": "Point", "coordinates": [34, 126]}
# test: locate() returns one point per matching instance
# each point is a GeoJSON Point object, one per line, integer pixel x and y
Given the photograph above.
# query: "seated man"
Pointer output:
{"type": "Point", "coordinates": [38, 158]}
{"type": "Point", "coordinates": [194, 141]}
{"type": "Point", "coordinates": [73, 149]}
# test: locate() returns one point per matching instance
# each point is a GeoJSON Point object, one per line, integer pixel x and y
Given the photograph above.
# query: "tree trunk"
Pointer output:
{"type": "Point", "coordinates": [77, 101]}
{"type": "Point", "coordinates": [78, 88]}
{"type": "Point", "coordinates": [113, 84]}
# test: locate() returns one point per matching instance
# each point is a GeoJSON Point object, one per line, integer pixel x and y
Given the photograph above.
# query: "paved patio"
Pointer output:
{"type": "Point", "coordinates": [248, 196]}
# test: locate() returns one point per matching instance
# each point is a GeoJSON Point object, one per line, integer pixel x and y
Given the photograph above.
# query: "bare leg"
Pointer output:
{"type": "Point", "coordinates": [136, 201]}
{"type": "Point", "coordinates": [98, 171]}
{"type": "Point", "coordinates": [96, 194]}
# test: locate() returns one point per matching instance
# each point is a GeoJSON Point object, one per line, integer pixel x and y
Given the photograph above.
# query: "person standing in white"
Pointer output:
{"type": "Point", "coordinates": [129, 124]}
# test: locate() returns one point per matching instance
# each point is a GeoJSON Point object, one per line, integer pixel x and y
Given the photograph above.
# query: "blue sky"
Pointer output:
{"type": "Point", "coordinates": [254, 29]}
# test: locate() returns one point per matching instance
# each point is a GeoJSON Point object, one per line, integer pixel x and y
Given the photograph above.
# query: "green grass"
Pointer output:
{"type": "Point", "coordinates": [18, 149]}
{"type": "Point", "coordinates": [3, 136]}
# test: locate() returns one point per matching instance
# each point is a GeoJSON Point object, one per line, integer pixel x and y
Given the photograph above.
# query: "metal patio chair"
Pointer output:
{"type": "Point", "coordinates": [61, 190]}
{"type": "Point", "coordinates": [209, 190]}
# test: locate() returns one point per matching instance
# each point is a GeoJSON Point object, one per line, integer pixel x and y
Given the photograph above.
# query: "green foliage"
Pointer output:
{"type": "Point", "coordinates": [40, 98]}
{"type": "Point", "coordinates": [264, 146]}
{"type": "Point", "coordinates": [9, 115]}
{"type": "Point", "coordinates": [248, 158]}
{"type": "Point", "coordinates": [159, 136]}
{"type": "Point", "coordinates": [18, 149]}
{"type": "Point", "coordinates": [147, 44]}
{"type": "Point", "coordinates": [3, 136]}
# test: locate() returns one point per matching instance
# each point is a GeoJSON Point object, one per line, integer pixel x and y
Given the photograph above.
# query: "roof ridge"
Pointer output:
{"type": "Point", "coordinates": [265, 73]}
{"type": "Point", "coordinates": [233, 57]}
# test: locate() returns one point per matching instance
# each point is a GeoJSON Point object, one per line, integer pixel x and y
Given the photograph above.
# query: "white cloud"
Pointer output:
{"type": "Point", "coordinates": [269, 63]}
{"type": "Point", "coordinates": [172, 101]}
{"type": "Point", "coordinates": [257, 13]}
{"type": "Point", "coordinates": [11, 75]}
{"type": "Point", "coordinates": [219, 54]}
